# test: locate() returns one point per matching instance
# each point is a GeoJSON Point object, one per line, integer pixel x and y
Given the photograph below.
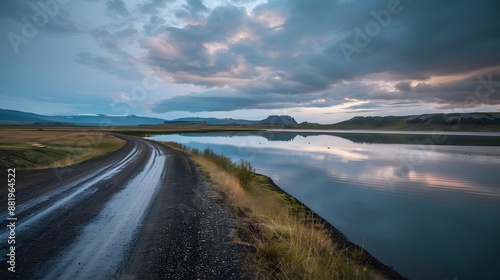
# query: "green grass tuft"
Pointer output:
{"type": "Point", "coordinates": [243, 170]}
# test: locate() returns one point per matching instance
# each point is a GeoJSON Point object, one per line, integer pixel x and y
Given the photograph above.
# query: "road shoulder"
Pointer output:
{"type": "Point", "coordinates": [187, 232]}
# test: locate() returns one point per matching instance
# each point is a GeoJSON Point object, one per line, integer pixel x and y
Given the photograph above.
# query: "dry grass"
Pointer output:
{"type": "Point", "coordinates": [34, 148]}
{"type": "Point", "coordinates": [285, 244]}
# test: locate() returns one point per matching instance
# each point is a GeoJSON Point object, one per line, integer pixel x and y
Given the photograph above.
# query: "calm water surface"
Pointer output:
{"type": "Point", "coordinates": [430, 211]}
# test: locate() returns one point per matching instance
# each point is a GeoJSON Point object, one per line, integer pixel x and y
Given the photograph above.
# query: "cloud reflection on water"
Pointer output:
{"type": "Point", "coordinates": [428, 219]}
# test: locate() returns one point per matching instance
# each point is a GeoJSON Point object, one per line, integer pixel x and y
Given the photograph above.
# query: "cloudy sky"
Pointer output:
{"type": "Point", "coordinates": [317, 60]}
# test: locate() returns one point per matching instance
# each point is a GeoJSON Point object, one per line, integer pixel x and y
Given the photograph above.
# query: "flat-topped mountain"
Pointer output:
{"type": "Point", "coordinates": [275, 119]}
{"type": "Point", "coordinates": [281, 120]}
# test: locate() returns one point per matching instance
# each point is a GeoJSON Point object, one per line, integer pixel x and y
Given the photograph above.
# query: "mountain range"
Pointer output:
{"type": "Point", "coordinates": [454, 121]}
{"type": "Point", "coordinates": [277, 120]}
{"type": "Point", "coordinates": [24, 118]}
{"type": "Point", "coordinates": [18, 117]}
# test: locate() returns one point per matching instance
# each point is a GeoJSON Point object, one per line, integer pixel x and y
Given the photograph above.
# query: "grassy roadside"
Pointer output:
{"type": "Point", "coordinates": [285, 239]}
{"type": "Point", "coordinates": [27, 149]}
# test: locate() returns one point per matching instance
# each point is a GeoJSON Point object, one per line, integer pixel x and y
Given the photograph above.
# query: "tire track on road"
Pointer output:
{"type": "Point", "coordinates": [102, 244]}
{"type": "Point", "coordinates": [70, 193]}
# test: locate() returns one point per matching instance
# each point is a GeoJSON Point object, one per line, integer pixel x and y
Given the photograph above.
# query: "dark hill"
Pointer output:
{"type": "Point", "coordinates": [279, 120]}
{"type": "Point", "coordinates": [455, 121]}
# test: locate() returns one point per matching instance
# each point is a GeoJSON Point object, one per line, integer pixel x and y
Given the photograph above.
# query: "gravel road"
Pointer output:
{"type": "Point", "coordinates": [142, 212]}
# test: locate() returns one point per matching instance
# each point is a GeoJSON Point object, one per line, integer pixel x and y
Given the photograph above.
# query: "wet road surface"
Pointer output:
{"type": "Point", "coordinates": [142, 212]}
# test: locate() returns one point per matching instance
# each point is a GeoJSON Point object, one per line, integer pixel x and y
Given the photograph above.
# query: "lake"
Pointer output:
{"type": "Point", "coordinates": [428, 205]}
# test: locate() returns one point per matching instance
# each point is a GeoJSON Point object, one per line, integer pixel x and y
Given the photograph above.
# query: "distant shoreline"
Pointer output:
{"type": "Point", "coordinates": [396, 132]}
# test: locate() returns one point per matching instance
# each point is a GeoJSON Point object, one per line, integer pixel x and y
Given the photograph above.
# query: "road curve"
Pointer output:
{"type": "Point", "coordinates": [142, 212]}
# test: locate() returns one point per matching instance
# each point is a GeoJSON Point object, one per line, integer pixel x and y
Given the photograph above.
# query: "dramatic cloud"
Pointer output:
{"type": "Point", "coordinates": [355, 56]}
{"type": "Point", "coordinates": [192, 9]}
{"type": "Point", "coordinates": [229, 100]}
{"type": "Point", "coordinates": [292, 48]}
{"type": "Point", "coordinates": [116, 8]}
{"type": "Point", "coordinates": [153, 7]}
{"type": "Point", "coordinates": [52, 18]}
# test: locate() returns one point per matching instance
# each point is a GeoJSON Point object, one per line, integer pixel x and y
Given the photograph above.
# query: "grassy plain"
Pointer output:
{"type": "Point", "coordinates": [37, 147]}
{"type": "Point", "coordinates": [27, 148]}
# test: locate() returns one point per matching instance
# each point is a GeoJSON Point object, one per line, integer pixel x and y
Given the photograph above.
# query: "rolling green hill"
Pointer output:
{"type": "Point", "coordinates": [454, 121]}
